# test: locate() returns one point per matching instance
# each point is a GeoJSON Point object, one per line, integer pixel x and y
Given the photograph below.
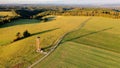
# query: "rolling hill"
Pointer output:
{"type": "Point", "coordinates": [96, 45]}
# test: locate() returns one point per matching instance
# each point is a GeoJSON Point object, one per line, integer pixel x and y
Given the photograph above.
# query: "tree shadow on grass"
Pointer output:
{"type": "Point", "coordinates": [38, 33]}
{"type": "Point", "coordinates": [47, 19]}
{"type": "Point", "coordinates": [44, 31]}
{"type": "Point", "coordinates": [51, 18]}
{"type": "Point", "coordinates": [87, 34]}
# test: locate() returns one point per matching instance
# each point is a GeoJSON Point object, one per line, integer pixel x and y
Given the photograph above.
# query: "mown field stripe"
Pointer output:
{"type": "Point", "coordinates": [90, 52]}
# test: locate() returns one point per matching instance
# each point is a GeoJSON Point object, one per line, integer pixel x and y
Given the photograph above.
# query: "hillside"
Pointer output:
{"type": "Point", "coordinates": [22, 53]}
{"type": "Point", "coordinates": [96, 45]}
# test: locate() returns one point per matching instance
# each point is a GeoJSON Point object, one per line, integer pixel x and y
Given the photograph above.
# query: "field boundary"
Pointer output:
{"type": "Point", "coordinates": [58, 42]}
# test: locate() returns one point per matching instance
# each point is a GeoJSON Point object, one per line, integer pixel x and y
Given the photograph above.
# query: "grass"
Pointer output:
{"type": "Point", "coordinates": [75, 55]}
{"type": "Point", "coordinates": [22, 53]}
{"type": "Point", "coordinates": [96, 45]}
{"type": "Point", "coordinates": [20, 22]}
{"type": "Point", "coordinates": [8, 38]}
{"type": "Point", "coordinates": [6, 13]}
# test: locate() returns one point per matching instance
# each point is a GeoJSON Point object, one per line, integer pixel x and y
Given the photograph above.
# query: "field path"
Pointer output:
{"type": "Point", "coordinates": [58, 42]}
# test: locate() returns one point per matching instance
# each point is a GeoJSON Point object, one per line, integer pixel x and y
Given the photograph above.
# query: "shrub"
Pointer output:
{"type": "Point", "coordinates": [26, 34]}
{"type": "Point", "coordinates": [18, 37]}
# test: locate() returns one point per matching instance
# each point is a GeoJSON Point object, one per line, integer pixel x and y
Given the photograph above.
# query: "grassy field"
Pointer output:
{"type": "Point", "coordinates": [22, 53]}
{"type": "Point", "coordinates": [96, 45]}
{"type": "Point", "coordinates": [6, 13]}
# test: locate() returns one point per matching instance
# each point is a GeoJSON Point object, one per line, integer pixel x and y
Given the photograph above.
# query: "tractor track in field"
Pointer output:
{"type": "Point", "coordinates": [58, 42]}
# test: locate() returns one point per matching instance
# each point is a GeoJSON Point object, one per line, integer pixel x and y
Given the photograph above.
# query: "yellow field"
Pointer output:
{"type": "Point", "coordinates": [6, 13]}
{"type": "Point", "coordinates": [24, 50]}
{"type": "Point", "coordinates": [97, 23]}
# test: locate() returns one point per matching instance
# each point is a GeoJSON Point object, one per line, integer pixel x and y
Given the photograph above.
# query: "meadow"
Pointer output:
{"type": "Point", "coordinates": [6, 13]}
{"type": "Point", "coordinates": [96, 45]}
{"type": "Point", "coordinates": [22, 53]}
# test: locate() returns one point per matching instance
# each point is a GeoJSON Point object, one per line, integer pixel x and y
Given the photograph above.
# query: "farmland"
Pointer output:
{"type": "Point", "coordinates": [93, 42]}
{"type": "Point", "coordinates": [22, 53]}
{"type": "Point", "coordinates": [6, 13]}
{"type": "Point", "coordinates": [96, 45]}
{"type": "Point", "coordinates": [71, 35]}
{"type": "Point", "coordinates": [8, 16]}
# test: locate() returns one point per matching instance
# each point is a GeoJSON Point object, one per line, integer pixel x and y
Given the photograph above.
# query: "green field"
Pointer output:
{"type": "Point", "coordinates": [96, 45]}
{"type": "Point", "coordinates": [22, 53]}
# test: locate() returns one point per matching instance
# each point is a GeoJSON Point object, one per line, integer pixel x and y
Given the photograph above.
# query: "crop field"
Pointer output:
{"type": "Point", "coordinates": [22, 53]}
{"type": "Point", "coordinates": [6, 13]}
{"type": "Point", "coordinates": [96, 45]}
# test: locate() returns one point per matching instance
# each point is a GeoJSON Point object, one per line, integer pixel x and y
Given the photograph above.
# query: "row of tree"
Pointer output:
{"type": "Point", "coordinates": [84, 12]}
{"type": "Point", "coordinates": [19, 36]}
{"type": "Point", "coordinates": [7, 19]}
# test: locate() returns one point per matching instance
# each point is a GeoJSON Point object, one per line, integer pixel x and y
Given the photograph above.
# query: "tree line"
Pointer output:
{"type": "Point", "coordinates": [39, 13]}
{"type": "Point", "coordinates": [84, 12]}
{"type": "Point", "coordinates": [19, 36]}
{"type": "Point", "coordinates": [7, 19]}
